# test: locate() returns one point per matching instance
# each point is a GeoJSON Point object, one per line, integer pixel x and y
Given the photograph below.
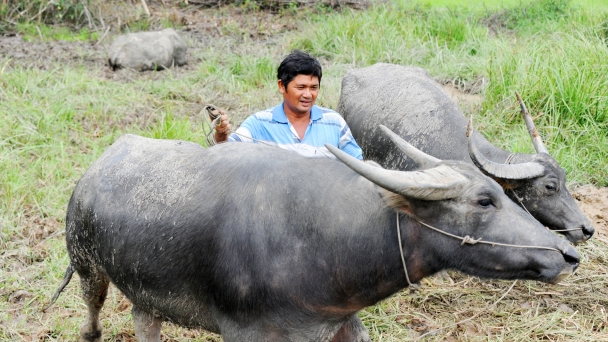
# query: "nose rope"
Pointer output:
{"type": "Point", "coordinates": [464, 240]}
{"type": "Point", "coordinates": [407, 277]}
{"type": "Point", "coordinates": [523, 206]}
{"type": "Point", "coordinates": [520, 201]}
{"type": "Point", "coordinates": [508, 161]}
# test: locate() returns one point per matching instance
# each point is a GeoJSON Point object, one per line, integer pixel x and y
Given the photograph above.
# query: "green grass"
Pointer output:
{"type": "Point", "coordinates": [32, 31]}
{"type": "Point", "coordinates": [57, 121]}
{"type": "Point", "coordinates": [494, 5]}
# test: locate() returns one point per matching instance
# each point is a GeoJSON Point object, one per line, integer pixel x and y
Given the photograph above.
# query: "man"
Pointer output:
{"type": "Point", "coordinates": [296, 124]}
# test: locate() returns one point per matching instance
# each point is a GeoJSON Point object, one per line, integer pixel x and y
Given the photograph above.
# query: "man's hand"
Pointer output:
{"type": "Point", "coordinates": [222, 128]}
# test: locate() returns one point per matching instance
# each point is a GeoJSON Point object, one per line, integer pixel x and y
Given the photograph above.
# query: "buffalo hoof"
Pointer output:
{"type": "Point", "coordinates": [86, 335]}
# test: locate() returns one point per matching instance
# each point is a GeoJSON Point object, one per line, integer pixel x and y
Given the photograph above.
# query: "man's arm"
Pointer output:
{"type": "Point", "coordinates": [348, 143]}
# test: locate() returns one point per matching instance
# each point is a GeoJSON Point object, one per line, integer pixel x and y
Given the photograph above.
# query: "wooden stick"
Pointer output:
{"type": "Point", "coordinates": [536, 139]}
{"type": "Point", "coordinates": [104, 35]}
{"type": "Point", "coordinates": [143, 3]}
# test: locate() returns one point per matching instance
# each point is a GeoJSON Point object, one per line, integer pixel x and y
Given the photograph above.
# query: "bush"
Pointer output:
{"type": "Point", "coordinates": [43, 11]}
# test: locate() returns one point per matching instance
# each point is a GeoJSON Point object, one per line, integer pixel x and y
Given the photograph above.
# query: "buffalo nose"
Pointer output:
{"type": "Point", "coordinates": [571, 256]}
{"type": "Point", "coordinates": [588, 231]}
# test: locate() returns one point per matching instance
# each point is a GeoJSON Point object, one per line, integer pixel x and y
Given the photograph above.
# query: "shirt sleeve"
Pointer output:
{"type": "Point", "coordinates": [348, 143]}
{"type": "Point", "coordinates": [246, 131]}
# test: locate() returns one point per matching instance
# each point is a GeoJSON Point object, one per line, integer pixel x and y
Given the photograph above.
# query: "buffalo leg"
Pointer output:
{"type": "Point", "coordinates": [353, 330]}
{"type": "Point", "coordinates": [147, 327]}
{"type": "Point", "coordinates": [94, 291]}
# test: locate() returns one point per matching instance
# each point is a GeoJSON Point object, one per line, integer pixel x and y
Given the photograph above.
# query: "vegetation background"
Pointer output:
{"type": "Point", "coordinates": [61, 106]}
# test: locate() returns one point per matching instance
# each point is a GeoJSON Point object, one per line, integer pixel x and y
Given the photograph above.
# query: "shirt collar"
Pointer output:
{"type": "Point", "coordinates": [278, 114]}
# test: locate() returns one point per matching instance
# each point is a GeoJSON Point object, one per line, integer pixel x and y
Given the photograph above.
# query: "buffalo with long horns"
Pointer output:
{"type": "Point", "coordinates": [261, 244]}
{"type": "Point", "coordinates": [410, 103]}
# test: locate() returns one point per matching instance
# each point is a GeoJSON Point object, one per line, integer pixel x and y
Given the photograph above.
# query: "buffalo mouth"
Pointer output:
{"type": "Point", "coordinates": [550, 276]}
{"type": "Point", "coordinates": [565, 273]}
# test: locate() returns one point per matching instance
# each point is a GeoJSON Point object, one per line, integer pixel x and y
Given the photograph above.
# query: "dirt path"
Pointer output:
{"type": "Point", "coordinates": [594, 203]}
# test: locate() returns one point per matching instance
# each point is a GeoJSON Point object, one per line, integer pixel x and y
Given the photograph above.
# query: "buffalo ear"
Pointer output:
{"type": "Point", "coordinates": [396, 201]}
{"type": "Point", "coordinates": [391, 199]}
{"type": "Point", "coordinates": [508, 184]}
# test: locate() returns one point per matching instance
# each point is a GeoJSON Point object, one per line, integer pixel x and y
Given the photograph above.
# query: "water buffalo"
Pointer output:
{"type": "Point", "coordinates": [261, 244]}
{"type": "Point", "coordinates": [411, 104]}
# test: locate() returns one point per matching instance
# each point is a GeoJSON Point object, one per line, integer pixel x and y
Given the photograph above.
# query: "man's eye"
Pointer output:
{"type": "Point", "coordinates": [484, 203]}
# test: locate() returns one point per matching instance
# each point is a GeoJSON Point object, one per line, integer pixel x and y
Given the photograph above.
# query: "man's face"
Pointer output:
{"type": "Point", "coordinates": [300, 94]}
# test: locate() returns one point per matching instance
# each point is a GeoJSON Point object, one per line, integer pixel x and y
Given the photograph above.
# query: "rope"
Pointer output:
{"type": "Point", "coordinates": [464, 240]}
{"type": "Point", "coordinates": [216, 122]}
{"type": "Point", "coordinates": [409, 283]}
{"type": "Point", "coordinates": [470, 241]}
{"type": "Point", "coordinates": [526, 209]}
{"type": "Point", "coordinates": [520, 202]}
{"type": "Point", "coordinates": [215, 113]}
{"type": "Point", "coordinates": [509, 158]}
{"type": "Point", "coordinates": [566, 230]}
{"type": "Point", "coordinates": [508, 161]}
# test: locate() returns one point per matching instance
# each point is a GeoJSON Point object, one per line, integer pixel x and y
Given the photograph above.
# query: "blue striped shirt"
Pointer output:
{"type": "Point", "coordinates": [326, 127]}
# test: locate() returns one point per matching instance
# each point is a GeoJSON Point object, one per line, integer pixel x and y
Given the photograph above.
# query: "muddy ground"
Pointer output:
{"type": "Point", "coordinates": [202, 28]}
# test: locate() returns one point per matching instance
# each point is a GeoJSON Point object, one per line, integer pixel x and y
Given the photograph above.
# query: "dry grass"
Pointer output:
{"type": "Point", "coordinates": [449, 306]}
{"type": "Point", "coordinates": [456, 307]}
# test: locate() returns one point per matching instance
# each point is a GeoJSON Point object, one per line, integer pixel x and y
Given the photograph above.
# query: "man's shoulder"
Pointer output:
{"type": "Point", "coordinates": [325, 110]}
{"type": "Point", "coordinates": [330, 115]}
{"type": "Point", "coordinates": [263, 115]}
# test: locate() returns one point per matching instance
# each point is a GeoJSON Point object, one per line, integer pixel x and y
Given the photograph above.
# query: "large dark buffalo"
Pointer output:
{"type": "Point", "coordinates": [411, 104]}
{"type": "Point", "coordinates": [261, 244]}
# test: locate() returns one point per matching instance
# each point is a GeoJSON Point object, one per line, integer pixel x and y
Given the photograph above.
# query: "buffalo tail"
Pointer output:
{"type": "Point", "coordinates": [66, 280]}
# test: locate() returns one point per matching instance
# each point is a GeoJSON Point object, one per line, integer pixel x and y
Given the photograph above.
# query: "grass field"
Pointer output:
{"type": "Point", "coordinates": [60, 109]}
{"type": "Point", "coordinates": [598, 5]}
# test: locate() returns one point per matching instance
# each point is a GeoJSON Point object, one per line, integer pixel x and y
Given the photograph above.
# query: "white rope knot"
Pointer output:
{"type": "Point", "coordinates": [469, 240]}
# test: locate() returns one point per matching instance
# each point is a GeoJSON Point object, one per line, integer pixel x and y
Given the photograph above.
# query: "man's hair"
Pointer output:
{"type": "Point", "coordinates": [298, 63]}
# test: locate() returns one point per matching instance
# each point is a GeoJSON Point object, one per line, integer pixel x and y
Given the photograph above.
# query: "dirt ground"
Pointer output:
{"type": "Point", "coordinates": [199, 28]}
{"type": "Point", "coordinates": [594, 203]}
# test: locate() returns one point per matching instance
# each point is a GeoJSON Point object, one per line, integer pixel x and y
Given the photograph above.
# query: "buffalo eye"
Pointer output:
{"type": "Point", "coordinates": [550, 187]}
{"type": "Point", "coordinates": [485, 203]}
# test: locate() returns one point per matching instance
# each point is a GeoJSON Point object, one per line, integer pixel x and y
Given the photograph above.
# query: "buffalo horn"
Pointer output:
{"type": "Point", "coordinates": [423, 160]}
{"type": "Point", "coordinates": [536, 139]}
{"type": "Point", "coordinates": [497, 170]}
{"type": "Point", "coordinates": [438, 183]}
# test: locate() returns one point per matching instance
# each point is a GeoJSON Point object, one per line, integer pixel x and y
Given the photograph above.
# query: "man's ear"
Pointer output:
{"type": "Point", "coordinates": [282, 88]}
